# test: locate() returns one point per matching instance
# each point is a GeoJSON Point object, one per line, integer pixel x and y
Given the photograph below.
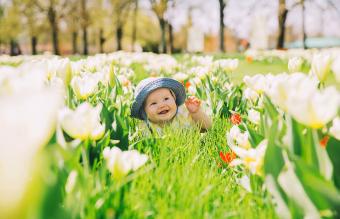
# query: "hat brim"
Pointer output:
{"type": "Point", "coordinates": [178, 89]}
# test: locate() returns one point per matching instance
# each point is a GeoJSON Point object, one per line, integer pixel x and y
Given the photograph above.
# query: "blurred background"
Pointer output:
{"type": "Point", "coordinates": [66, 27]}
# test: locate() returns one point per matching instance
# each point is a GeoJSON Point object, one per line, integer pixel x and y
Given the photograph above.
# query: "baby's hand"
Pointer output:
{"type": "Point", "coordinates": [193, 104]}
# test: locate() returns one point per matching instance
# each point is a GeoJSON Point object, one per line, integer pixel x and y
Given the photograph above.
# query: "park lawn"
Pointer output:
{"type": "Point", "coordinates": [273, 66]}
{"type": "Point", "coordinates": [187, 179]}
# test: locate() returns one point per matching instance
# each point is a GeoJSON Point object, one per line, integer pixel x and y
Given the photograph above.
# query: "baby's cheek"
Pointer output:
{"type": "Point", "coordinates": [148, 110]}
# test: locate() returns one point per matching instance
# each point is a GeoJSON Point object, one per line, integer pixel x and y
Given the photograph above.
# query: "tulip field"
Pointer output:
{"type": "Point", "coordinates": [69, 148]}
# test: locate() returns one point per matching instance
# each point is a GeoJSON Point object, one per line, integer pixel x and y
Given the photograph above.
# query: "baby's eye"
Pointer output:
{"type": "Point", "coordinates": [154, 103]}
{"type": "Point", "coordinates": [167, 98]}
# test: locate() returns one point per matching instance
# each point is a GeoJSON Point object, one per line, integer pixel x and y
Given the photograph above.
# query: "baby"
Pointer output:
{"type": "Point", "coordinates": [158, 101]}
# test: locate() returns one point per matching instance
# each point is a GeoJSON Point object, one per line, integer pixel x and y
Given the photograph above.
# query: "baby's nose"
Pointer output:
{"type": "Point", "coordinates": [162, 105]}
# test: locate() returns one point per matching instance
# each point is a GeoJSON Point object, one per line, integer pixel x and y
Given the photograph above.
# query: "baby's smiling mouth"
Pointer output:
{"type": "Point", "coordinates": [163, 112]}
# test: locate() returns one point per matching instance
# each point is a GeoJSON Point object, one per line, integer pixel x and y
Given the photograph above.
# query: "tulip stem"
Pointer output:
{"type": "Point", "coordinates": [121, 202]}
{"type": "Point", "coordinates": [321, 85]}
{"type": "Point", "coordinates": [85, 157]}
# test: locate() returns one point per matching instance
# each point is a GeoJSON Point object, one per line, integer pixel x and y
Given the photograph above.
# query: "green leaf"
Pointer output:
{"type": "Point", "coordinates": [273, 160]}
{"type": "Point", "coordinates": [325, 164]}
{"type": "Point", "coordinates": [296, 140]}
{"type": "Point", "coordinates": [270, 108]}
{"type": "Point", "coordinates": [104, 142]}
{"type": "Point", "coordinates": [333, 150]}
{"type": "Point", "coordinates": [255, 138]}
{"type": "Point", "coordinates": [303, 144]}
{"type": "Point", "coordinates": [323, 193]}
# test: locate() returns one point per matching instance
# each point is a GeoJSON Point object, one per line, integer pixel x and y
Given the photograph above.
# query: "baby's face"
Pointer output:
{"type": "Point", "coordinates": [160, 106]}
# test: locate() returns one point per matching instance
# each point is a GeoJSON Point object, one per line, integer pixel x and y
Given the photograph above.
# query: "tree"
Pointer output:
{"type": "Point", "coordinates": [222, 4]}
{"type": "Point", "coordinates": [120, 10]}
{"type": "Point", "coordinates": [304, 36]}
{"type": "Point", "coordinates": [73, 23]}
{"type": "Point", "coordinates": [100, 21]}
{"type": "Point", "coordinates": [84, 25]}
{"type": "Point", "coordinates": [134, 25]}
{"type": "Point", "coordinates": [160, 7]}
{"type": "Point", "coordinates": [283, 12]}
{"type": "Point", "coordinates": [11, 27]}
{"type": "Point", "coordinates": [170, 47]}
{"type": "Point", "coordinates": [31, 21]}
{"type": "Point", "coordinates": [2, 12]}
{"type": "Point", "coordinates": [282, 16]}
{"type": "Point", "coordinates": [54, 10]}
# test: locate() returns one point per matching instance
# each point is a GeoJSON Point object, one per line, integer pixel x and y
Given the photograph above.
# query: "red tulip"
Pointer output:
{"type": "Point", "coordinates": [235, 119]}
{"type": "Point", "coordinates": [228, 156]}
{"type": "Point", "coordinates": [187, 84]}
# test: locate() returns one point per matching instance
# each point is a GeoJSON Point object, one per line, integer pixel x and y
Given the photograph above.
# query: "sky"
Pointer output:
{"type": "Point", "coordinates": [320, 18]}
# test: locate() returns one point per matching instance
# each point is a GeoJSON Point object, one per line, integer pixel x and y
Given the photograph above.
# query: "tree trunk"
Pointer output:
{"type": "Point", "coordinates": [84, 26]}
{"type": "Point", "coordinates": [171, 39]}
{"type": "Point", "coordinates": [101, 40]}
{"type": "Point", "coordinates": [282, 24]}
{"type": "Point", "coordinates": [304, 36]}
{"type": "Point", "coordinates": [54, 29]}
{"type": "Point", "coordinates": [85, 42]}
{"type": "Point", "coordinates": [14, 48]}
{"type": "Point", "coordinates": [34, 41]}
{"type": "Point", "coordinates": [222, 5]}
{"type": "Point", "coordinates": [74, 42]}
{"type": "Point", "coordinates": [119, 36]}
{"type": "Point", "coordinates": [163, 40]}
{"type": "Point", "coordinates": [134, 27]}
{"type": "Point", "coordinates": [55, 40]}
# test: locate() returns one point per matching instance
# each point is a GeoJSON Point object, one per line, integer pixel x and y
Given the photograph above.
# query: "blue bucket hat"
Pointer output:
{"type": "Point", "coordinates": [146, 86]}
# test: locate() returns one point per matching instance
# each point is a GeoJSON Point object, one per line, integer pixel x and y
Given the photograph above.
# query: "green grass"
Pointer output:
{"type": "Point", "coordinates": [257, 67]}
{"type": "Point", "coordinates": [273, 66]}
{"type": "Point", "coordinates": [187, 182]}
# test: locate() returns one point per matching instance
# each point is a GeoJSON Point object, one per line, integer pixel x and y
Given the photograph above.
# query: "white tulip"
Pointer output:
{"type": "Point", "coordinates": [125, 82]}
{"type": "Point", "coordinates": [83, 123]}
{"type": "Point", "coordinates": [27, 123]}
{"type": "Point", "coordinates": [22, 79]}
{"type": "Point", "coordinates": [257, 82]}
{"type": "Point", "coordinates": [279, 203]}
{"type": "Point", "coordinates": [120, 163]}
{"type": "Point", "coordinates": [228, 65]}
{"type": "Point", "coordinates": [71, 181]}
{"type": "Point", "coordinates": [254, 116]}
{"type": "Point", "coordinates": [77, 67]}
{"type": "Point", "coordinates": [336, 68]}
{"type": "Point", "coordinates": [197, 81]}
{"type": "Point", "coordinates": [244, 181]}
{"type": "Point", "coordinates": [84, 86]}
{"type": "Point", "coordinates": [58, 84]}
{"type": "Point", "coordinates": [180, 76]}
{"type": "Point", "coordinates": [321, 65]}
{"type": "Point", "coordinates": [251, 158]}
{"type": "Point", "coordinates": [335, 129]}
{"type": "Point", "coordinates": [283, 86]}
{"type": "Point", "coordinates": [135, 159]}
{"type": "Point", "coordinates": [294, 64]}
{"type": "Point", "coordinates": [236, 138]}
{"type": "Point", "coordinates": [192, 90]}
{"type": "Point", "coordinates": [60, 68]}
{"type": "Point", "coordinates": [200, 72]}
{"type": "Point", "coordinates": [250, 95]}
{"type": "Point", "coordinates": [203, 60]}
{"type": "Point", "coordinates": [292, 186]}
{"type": "Point", "coordinates": [313, 109]}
